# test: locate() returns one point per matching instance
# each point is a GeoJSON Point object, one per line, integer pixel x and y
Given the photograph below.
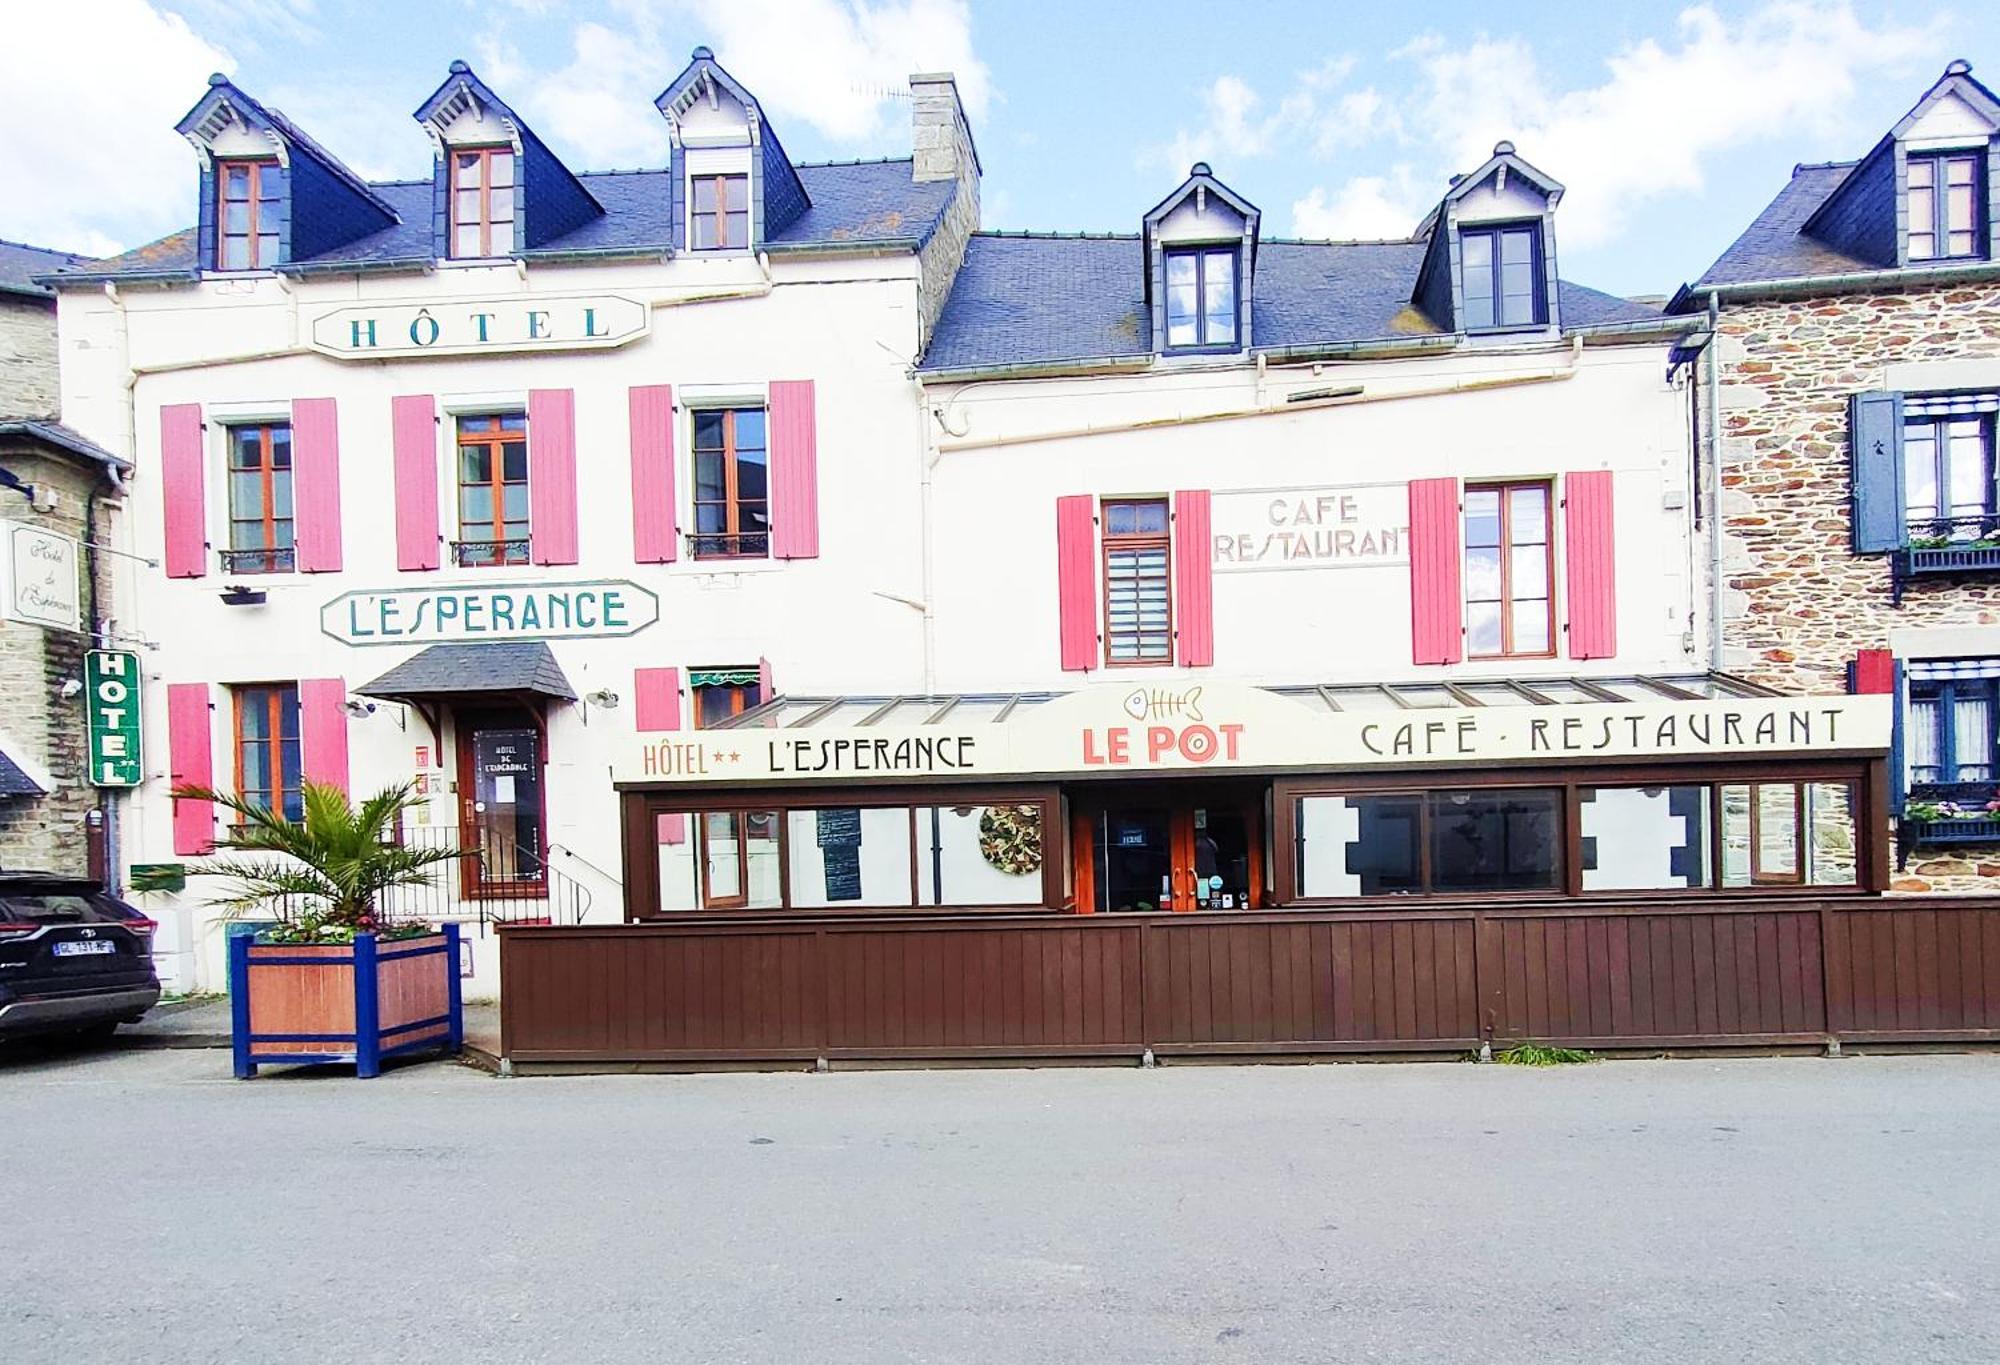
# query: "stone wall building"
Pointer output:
{"type": "Point", "coordinates": [1853, 381]}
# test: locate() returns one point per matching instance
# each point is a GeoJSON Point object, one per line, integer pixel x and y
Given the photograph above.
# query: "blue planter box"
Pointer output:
{"type": "Point", "coordinates": [356, 1003]}
{"type": "Point", "coordinates": [1932, 832]}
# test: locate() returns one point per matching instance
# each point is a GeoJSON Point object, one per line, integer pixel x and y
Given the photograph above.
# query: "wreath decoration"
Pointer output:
{"type": "Point", "coordinates": [1010, 839]}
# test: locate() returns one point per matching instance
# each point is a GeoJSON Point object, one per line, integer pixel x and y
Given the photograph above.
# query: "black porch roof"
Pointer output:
{"type": "Point", "coordinates": [519, 668]}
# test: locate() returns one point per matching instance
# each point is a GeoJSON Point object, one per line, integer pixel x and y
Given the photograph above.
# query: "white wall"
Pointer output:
{"type": "Point", "coordinates": [1489, 203]}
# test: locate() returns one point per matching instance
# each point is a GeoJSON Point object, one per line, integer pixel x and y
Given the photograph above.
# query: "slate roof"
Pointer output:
{"type": "Point", "coordinates": [20, 776]}
{"type": "Point", "coordinates": [1040, 299]}
{"type": "Point", "coordinates": [20, 263]}
{"type": "Point", "coordinates": [1772, 248]}
{"type": "Point", "coordinates": [852, 201]}
{"type": "Point", "coordinates": [53, 433]}
{"type": "Point", "coordinates": [457, 669]}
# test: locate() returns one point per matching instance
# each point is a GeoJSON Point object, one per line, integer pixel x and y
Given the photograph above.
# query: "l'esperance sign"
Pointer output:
{"type": "Point", "coordinates": [506, 611]}
{"type": "Point", "coordinates": [525, 322]}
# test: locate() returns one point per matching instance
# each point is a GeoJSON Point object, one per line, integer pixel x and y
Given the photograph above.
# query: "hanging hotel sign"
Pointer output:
{"type": "Point", "coordinates": [1110, 730]}
{"type": "Point", "coordinates": [501, 611]}
{"type": "Point", "coordinates": [39, 579]}
{"type": "Point", "coordinates": [111, 693]}
{"type": "Point", "coordinates": [524, 322]}
{"type": "Point", "coordinates": [1328, 527]}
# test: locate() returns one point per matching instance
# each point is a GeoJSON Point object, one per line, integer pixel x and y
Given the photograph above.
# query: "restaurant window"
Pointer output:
{"type": "Point", "coordinates": [720, 693]}
{"type": "Point", "coordinates": [1509, 569]}
{"type": "Point", "coordinates": [1201, 297]}
{"type": "Point", "coordinates": [483, 202]}
{"type": "Point", "coordinates": [1945, 203]}
{"type": "Point", "coordinates": [267, 747]}
{"type": "Point", "coordinates": [1644, 838]}
{"type": "Point", "coordinates": [1949, 474]}
{"type": "Point", "coordinates": [1443, 842]}
{"type": "Point", "coordinates": [732, 498]}
{"type": "Point", "coordinates": [1788, 834]}
{"type": "Point", "coordinates": [719, 218]}
{"type": "Point", "coordinates": [492, 490]}
{"type": "Point", "coordinates": [260, 499]}
{"type": "Point", "coordinates": [979, 855]}
{"type": "Point", "coordinates": [1138, 591]}
{"type": "Point", "coordinates": [1502, 275]}
{"type": "Point", "coordinates": [738, 859]}
{"type": "Point", "coordinates": [1951, 730]}
{"type": "Point", "coordinates": [247, 214]}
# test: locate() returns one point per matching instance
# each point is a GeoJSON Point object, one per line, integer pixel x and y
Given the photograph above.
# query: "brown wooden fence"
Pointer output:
{"type": "Point", "coordinates": [756, 991]}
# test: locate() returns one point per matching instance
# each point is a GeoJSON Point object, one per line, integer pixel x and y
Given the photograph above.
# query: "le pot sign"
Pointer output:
{"type": "Point", "coordinates": [526, 322]}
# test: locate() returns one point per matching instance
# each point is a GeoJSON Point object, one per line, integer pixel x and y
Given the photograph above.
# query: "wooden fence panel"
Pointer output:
{"type": "Point", "coordinates": [1926, 971]}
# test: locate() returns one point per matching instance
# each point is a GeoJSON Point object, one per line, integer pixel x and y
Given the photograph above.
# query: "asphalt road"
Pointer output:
{"type": "Point", "coordinates": [1759, 1209]}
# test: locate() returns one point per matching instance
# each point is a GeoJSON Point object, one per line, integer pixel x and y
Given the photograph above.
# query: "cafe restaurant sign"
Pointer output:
{"type": "Point", "coordinates": [1113, 729]}
{"type": "Point", "coordinates": [1341, 526]}
{"type": "Point", "coordinates": [524, 322]}
{"type": "Point", "coordinates": [504, 611]}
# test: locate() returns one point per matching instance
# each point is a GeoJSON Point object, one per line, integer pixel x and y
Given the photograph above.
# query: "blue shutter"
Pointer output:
{"type": "Point", "coordinates": [1899, 773]}
{"type": "Point", "coordinates": [1875, 432]}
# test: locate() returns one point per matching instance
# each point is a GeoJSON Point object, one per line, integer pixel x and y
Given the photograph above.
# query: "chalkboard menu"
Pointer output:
{"type": "Point", "coordinates": [843, 872]}
{"type": "Point", "coordinates": [839, 827]}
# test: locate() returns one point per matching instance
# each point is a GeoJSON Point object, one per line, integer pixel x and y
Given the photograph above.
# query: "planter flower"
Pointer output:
{"type": "Point", "coordinates": [335, 979]}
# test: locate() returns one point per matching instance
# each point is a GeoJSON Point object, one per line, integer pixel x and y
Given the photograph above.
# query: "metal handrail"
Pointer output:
{"type": "Point", "coordinates": [471, 553]}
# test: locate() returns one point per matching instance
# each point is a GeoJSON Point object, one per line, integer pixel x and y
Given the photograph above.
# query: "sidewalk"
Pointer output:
{"type": "Point", "coordinates": [204, 1021]}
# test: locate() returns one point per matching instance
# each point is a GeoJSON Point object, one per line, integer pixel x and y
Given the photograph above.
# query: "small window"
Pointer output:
{"type": "Point", "coordinates": [260, 499]}
{"type": "Point", "coordinates": [720, 693]}
{"type": "Point", "coordinates": [719, 213]}
{"type": "Point", "coordinates": [1201, 297]}
{"type": "Point", "coordinates": [1509, 567]}
{"type": "Point", "coordinates": [267, 747]}
{"type": "Point", "coordinates": [1503, 277]}
{"type": "Point", "coordinates": [1788, 834]}
{"type": "Point", "coordinates": [1951, 732]}
{"type": "Point", "coordinates": [1138, 588]}
{"type": "Point", "coordinates": [247, 215]}
{"type": "Point", "coordinates": [732, 495]}
{"type": "Point", "coordinates": [1948, 469]}
{"type": "Point", "coordinates": [492, 490]}
{"type": "Point", "coordinates": [739, 860]}
{"type": "Point", "coordinates": [1946, 203]}
{"type": "Point", "coordinates": [482, 202]}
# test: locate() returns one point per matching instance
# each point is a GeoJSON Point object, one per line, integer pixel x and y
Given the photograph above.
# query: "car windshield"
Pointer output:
{"type": "Point", "coordinates": [54, 908]}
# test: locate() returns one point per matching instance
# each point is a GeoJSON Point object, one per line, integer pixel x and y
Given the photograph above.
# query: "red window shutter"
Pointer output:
{"type": "Point", "coordinates": [190, 763]}
{"type": "Point", "coordinates": [1874, 672]}
{"type": "Point", "coordinates": [413, 431]}
{"type": "Point", "coordinates": [654, 535]}
{"type": "Point", "coordinates": [1591, 555]}
{"type": "Point", "coordinates": [656, 705]}
{"type": "Point", "coordinates": [316, 484]}
{"type": "Point", "coordinates": [552, 476]}
{"type": "Point", "coordinates": [1194, 579]}
{"type": "Point", "coordinates": [794, 460]}
{"type": "Point", "coordinates": [765, 687]}
{"type": "Point", "coordinates": [323, 730]}
{"type": "Point", "coordinates": [181, 487]}
{"type": "Point", "coordinates": [1437, 602]}
{"type": "Point", "coordinates": [1076, 580]}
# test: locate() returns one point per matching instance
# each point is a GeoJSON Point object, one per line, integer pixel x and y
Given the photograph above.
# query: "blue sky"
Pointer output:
{"type": "Point", "coordinates": [1671, 125]}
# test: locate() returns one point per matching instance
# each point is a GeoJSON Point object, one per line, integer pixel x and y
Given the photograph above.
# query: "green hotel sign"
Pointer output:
{"type": "Point", "coordinates": [496, 612]}
{"type": "Point", "coordinates": [111, 689]}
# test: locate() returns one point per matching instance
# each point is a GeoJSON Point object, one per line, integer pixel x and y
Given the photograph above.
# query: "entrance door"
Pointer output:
{"type": "Point", "coordinates": [501, 818]}
{"type": "Point", "coordinates": [1183, 855]}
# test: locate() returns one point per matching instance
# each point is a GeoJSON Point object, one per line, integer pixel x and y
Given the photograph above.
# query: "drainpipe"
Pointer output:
{"type": "Point", "coordinates": [1715, 654]}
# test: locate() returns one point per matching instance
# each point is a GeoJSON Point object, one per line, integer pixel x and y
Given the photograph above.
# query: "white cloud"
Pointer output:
{"type": "Point", "coordinates": [94, 159]}
{"type": "Point", "coordinates": [1235, 128]}
{"type": "Point", "coordinates": [1365, 206]}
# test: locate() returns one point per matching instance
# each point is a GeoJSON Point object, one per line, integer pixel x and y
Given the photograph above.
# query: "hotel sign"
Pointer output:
{"type": "Point", "coordinates": [1328, 527]}
{"type": "Point", "coordinates": [1112, 729]}
{"type": "Point", "coordinates": [524, 322]}
{"type": "Point", "coordinates": [111, 686]}
{"type": "Point", "coordinates": [39, 577]}
{"type": "Point", "coordinates": [483, 612]}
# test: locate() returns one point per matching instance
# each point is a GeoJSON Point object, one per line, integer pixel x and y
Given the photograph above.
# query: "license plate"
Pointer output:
{"type": "Point", "coordinates": [85, 947]}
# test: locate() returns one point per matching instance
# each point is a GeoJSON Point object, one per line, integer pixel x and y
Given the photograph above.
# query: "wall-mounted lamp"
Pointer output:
{"type": "Point", "coordinates": [71, 689]}
{"type": "Point", "coordinates": [357, 708]}
{"type": "Point", "coordinates": [236, 595]}
{"type": "Point", "coordinates": [603, 697]}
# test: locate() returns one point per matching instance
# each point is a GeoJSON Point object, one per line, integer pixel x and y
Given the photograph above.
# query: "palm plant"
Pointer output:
{"type": "Point", "coordinates": [329, 868]}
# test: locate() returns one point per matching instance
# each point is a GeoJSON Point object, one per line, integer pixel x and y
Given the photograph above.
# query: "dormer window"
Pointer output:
{"type": "Point", "coordinates": [1944, 199]}
{"type": "Point", "coordinates": [1502, 276]}
{"type": "Point", "coordinates": [1201, 297]}
{"type": "Point", "coordinates": [247, 207]}
{"type": "Point", "coordinates": [719, 218]}
{"type": "Point", "coordinates": [482, 202]}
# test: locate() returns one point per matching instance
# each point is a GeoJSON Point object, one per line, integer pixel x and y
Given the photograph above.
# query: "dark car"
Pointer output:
{"type": "Point", "coordinates": [73, 959]}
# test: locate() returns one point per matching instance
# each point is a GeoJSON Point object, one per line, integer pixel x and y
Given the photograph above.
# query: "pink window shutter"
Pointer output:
{"type": "Point", "coordinates": [766, 689]}
{"type": "Point", "coordinates": [1437, 604]}
{"type": "Point", "coordinates": [1591, 556]}
{"type": "Point", "coordinates": [1076, 580]}
{"type": "Point", "coordinates": [1194, 579]}
{"type": "Point", "coordinates": [654, 534]}
{"type": "Point", "coordinates": [181, 487]}
{"type": "Point", "coordinates": [794, 460]}
{"type": "Point", "coordinates": [316, 484]}
{"type": "Point", "coordinates": [323, 730]}
{"type": "Point", "coordinates": [656, 706]}
{"type": "Point", "coordinates": [413, 432]}
{"type": "Point", "coordinates": [190, 763]}
{"type": "Point", "coordinates": [1874, 672]}
{"type": "Point", "coordinates": [552, 476]}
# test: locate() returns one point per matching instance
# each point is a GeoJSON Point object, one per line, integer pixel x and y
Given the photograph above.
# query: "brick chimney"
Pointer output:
{"type": "Point", "coordinates": [942, 149]}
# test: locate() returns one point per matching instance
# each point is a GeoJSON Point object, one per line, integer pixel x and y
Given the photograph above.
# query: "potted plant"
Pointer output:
{"type": "Point", "coordinates": [336, 978]}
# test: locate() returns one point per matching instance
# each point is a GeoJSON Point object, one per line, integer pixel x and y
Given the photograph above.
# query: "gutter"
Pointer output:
{"type": "Point", "coordinates": [1853, 280]}
{"type": "Point", "coordinates": [1714, 350]}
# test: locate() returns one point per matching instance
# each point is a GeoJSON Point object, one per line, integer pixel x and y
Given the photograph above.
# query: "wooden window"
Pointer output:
{"type": "Point", "coordinates": [720, 693]}
{"type": "Point", "coordinates": [1502, 273]}
{"type": "Point", "coordinates": [247, 214]}
{"type": "Point", "coordinates": [1946, 206]}
{"type": "Point", "coordinates": [260, 499]}
{"type": "Point", "coordinates": [739, 859]}
{"type": "Point", "coordinates": [267, 747]}
{"type": "Point", "coordinates": [1788, 834]}
{"type": "Point", "coordinates": [1201, 297]}
{"type": "Point", "coordinates": [719, 213]}
{"type": "Point", "coordinates": [1509, 567]}
{"type": "Point", "coordinates": [1138, 582]}
{"type": "Point", "coordinates": [482, 202]}
{"type": "Point", "coordinates": [1949, 474]}
{"type": "Point", "coordinates": [492, 489]}
{"type": "Point", "coordinates": [732, 499]}
{"type": "Point", "coordinates": [1952, 734]}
